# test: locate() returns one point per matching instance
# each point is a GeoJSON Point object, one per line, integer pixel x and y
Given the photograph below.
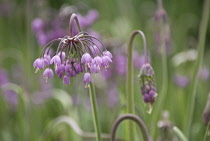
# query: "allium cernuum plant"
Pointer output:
{"type": "Point", "coordinates": [74, 55]}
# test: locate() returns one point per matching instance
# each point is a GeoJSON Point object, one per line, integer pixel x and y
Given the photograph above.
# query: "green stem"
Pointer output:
{"type": "Point", "coordinates": [163, 93]}
{"type": "Point", "coordinates": [91, 88]}
{"type": "Point", "coordinates": [130, 83]}
{"type": "Point", "coordinates": [94, 111]}
{"type": "Point", "coordinates": [179, 133]}
{"type": "Point", "coordinates": [201, 47]}
{"type": "Point", "coordinates": [134, 118]}
{"type": "Point", "coordinates": [72, 18]}
{"type": "Point", "coordinates": [207, 130]}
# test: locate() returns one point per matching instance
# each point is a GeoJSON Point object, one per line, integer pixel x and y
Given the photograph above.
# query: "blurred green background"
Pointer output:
{"type": "Point", "coordinates": [30, 108]}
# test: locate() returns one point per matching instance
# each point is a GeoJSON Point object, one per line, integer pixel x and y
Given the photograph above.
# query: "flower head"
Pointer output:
{"type": "Point", "coordinates": [74, 55]}
{"type": "Point", "coordinates": [147, 82]}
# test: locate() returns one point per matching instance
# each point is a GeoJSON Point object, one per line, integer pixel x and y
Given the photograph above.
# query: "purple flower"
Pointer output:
{"type": "Point", "coordinates": [78, 68]}
{"type": "Point", "coordinates": [89, 19]}
{"type": "Point", "coordinates": [113, 96]}
{"type": "Point", "coordinates": [37, 24]}
{"type": "Point", "coordinates": [105, 61]}
{"type": "Point", "coordinates": [120, 64]}
{"type": "Point", "coordinates": [56, 60]}
{"type": "Point", "coordinates": [181, 80]}
{"type": "Point", "coordinates": [203, 73]}
{"type": "Point", "coordinates": [42, 38]}
{"type": "Point", "coordinates": [60, 70]}
{"type": "Point", "coordinates": [48, 73]}
{"type": "Point", "coordinates": [74, 55]}
{"type": "Point", "coordinates": [87, 79]}
{"type": "Point", "coordinates": [62, 55]}
{"type": "Point", "coordinates": [107, 53]}
{"type": "Point", "coordinates": [39, 64]}
{"type": "Point", "coordinates": [94, 68]}
{"type": "Point", "coordinates": [11, 97]}
{"type": "Point", "coordinates": [70, 71]}
{"type": "Point", "coordinates": [66, 80]}
{"type": "Point", "coordinates": [97, 60]}
{"type": "Point", "coordinates": [47, 60]}
{"type": "Point", "coordinates": [86, 58]}
{"type": "Point", "coordinates": [3, 77]}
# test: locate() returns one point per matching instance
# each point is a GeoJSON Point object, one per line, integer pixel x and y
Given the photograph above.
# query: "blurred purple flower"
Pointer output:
{"type": "Point", "coordinates": [40, 97]}
{"type": "Point", "coordinates": [38, 25]}
{"type": "Point", "coordinates": [120, 61]}
{"type": "Point", "coordinates": [12, 98]}
{"type": "Point", "coordinates": [113, 96]}
{"type": "Point", "coordinates": [3, 77]}
{"type": "Point", "coordinates": [47, 30]}
{"type": "Point", "coordinates": [138, 61]}
{"type": "Point", "coordinates": [203, 73]}
{"type": "Point", "coordinates": [107, 74]}
{"type": "Point", "coordinates": [181, 80]}
{"type": "Point", "coordinates": [6, 8]}
{"type": "Point", "coordinates": [89, 19]}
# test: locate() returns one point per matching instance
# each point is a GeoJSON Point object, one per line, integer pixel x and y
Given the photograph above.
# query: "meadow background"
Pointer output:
{"type": "Point", "coordinates": [31, 109]}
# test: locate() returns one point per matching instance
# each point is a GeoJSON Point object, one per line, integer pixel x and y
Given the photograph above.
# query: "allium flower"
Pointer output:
{"type": "Point", "coordinates": [48, 73]}
{"type": "Point", "coordinates": [147, 82]}
{"type": "Point", "coordinates": [37, 24]}
{"type": "Point", "coordinates": [74, 55]}
{"type": "Point", "coordinates": [66, 80]}
{"type": "Point", "coordinates": [181, 80]}
{"type": "Point", "coordinates": [87, 79]}
{"type": "Point", "coordinates": [162, 26]}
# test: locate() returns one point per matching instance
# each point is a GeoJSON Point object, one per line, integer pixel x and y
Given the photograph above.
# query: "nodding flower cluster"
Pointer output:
{"type": "Point", "coordinates": [74, 55]}
{"type": "Point", "coordinates": [148, 84]}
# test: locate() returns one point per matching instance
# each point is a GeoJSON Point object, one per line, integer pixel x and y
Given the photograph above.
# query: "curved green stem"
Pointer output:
{"type": "Point", "coordinates": [94, 111]}
{"type": "Point", "coordinates": [134, 118]}
{"type": "Point", "coordinates": [130, 83]}
{"type": "Point", "coordinates": [179, 133]}
{"type": "Point", "coordinates": [201, 47]}
{"type": "Point", "coordinates": [72, 18]}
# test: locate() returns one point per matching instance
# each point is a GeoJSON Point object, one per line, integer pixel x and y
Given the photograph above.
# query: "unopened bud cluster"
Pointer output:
{"type": "Point", "coordinates": [147, 82]}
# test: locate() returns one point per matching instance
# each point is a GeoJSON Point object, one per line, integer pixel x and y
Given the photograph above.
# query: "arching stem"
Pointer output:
{"type": "Point", "coordinates": [72, 18]}
{"type": "Point", "coordinates": [130, 83]}
{"type": "Point", "coordinates": [134, 118]}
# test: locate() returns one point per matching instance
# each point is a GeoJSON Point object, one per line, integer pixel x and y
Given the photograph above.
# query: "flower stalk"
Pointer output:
{"type": "Point", "coordinates": [163, 35]}
{"type": "Point", "coordinates": [76, 54]}
{"type": "Point", "coordinates": [198, 63]}
{"type": "Point", "coordinates": [91, 86]}
{"type": "Point", "coordinates": [129, 82]}
{"type": "Point", "coordinates": [134, 118]}
{"type": "Point", "coordinates": [94, 111]}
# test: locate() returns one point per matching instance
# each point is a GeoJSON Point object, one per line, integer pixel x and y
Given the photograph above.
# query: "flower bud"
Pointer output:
{"type": "Point", "coordinates": [147, 83]}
